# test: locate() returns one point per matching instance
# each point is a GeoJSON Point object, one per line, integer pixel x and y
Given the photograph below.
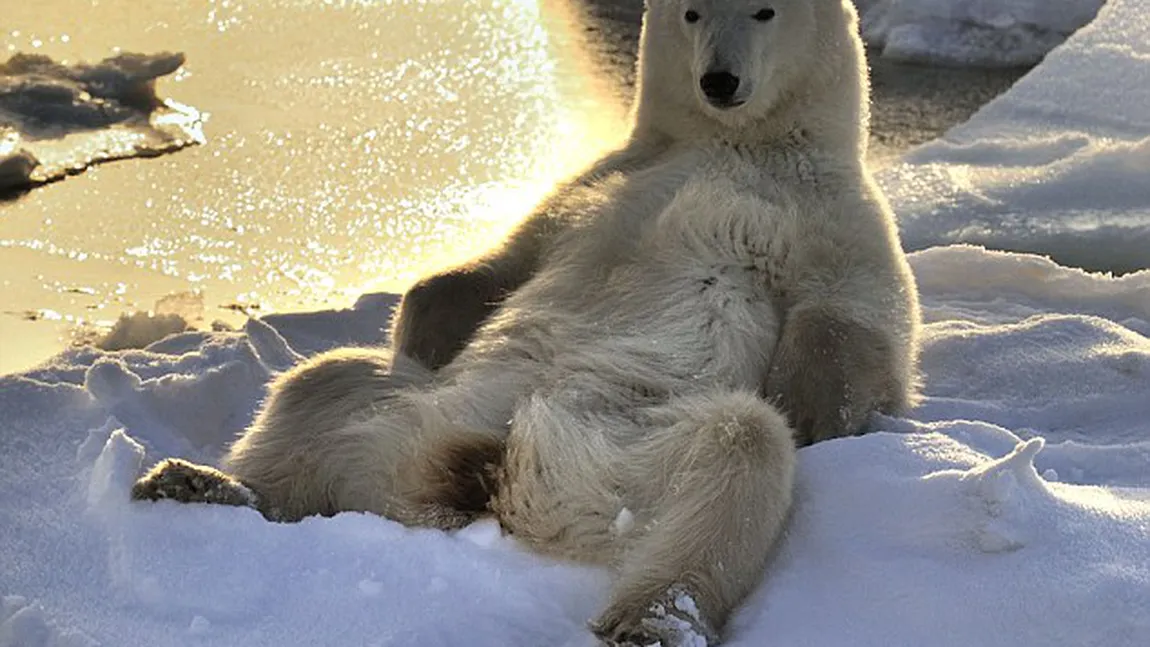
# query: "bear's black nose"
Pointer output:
{"type": "Point", "coordinates": [719, 86]}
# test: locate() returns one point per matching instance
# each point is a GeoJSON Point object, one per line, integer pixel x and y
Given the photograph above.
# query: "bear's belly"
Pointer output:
{"type": "Point", "coordinates": [653, 334]}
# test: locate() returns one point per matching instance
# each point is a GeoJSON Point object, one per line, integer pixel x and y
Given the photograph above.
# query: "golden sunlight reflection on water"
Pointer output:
{"type": "Point", "coordinates": [350, 146]}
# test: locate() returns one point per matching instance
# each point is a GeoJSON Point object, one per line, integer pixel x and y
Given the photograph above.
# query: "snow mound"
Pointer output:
{"type": "Point", "coordinates": [1020, 489]}
{"type": "Point", "coordinates": [971, 537]}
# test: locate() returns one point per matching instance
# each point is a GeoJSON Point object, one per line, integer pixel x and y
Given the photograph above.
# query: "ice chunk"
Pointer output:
{"type": "Point", "coordinates": [1004, 489]}
{"type": "Point", "coordinates": [67, 117]}
{"type": "Point", "coordinates": [16, 169]}
{"type": "Point", "coordinates": [25, 628]}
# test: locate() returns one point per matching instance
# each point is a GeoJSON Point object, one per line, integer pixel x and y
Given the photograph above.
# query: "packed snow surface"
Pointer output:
{"type": "Point", "coordinates": [1012, 508]}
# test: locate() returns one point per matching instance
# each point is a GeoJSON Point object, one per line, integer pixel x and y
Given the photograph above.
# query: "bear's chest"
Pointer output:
{"type": "Point", "coordinates": [695, 320]}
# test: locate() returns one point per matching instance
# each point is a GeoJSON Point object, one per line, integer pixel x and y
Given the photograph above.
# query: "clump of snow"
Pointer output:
{"type": "Point", "coordinates": [58, 119]}
{"type": "Point", "coordinates": [114, 471]}
{"type": "Point", "coordinates": [271, 348]}
{"type": "Point", "coordinates": [138, 329]}
{"type": "Point", "coordinates": [484, 533]}
{"type": "Point", "coordinates": [993, 33]}
{"type": "Point", "coordinates": [174, 313]}
{"type": "Point", "coordinates": [1005, 491]}
{"type": "Point", "coordinates": [199, 626]}
{"type": "Point", "coordinates": [370, 587]}
{"type": "Point", "coordinates": [624, 522]}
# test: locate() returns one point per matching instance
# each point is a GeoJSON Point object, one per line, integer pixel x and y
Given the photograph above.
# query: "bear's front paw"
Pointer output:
{"type": "Point", "coordinates": [672, 620]}
{"type": "Point", "coordinates": [187, 482]}
{"type": "Point", "coordinates": [816, 405]}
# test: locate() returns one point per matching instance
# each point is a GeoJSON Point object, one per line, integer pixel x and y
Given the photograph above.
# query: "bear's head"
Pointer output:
{"type": "Point", "coordinates": [752, 70]}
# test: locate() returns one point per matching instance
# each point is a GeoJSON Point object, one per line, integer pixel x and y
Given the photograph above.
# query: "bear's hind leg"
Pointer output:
{"type": "Point", "coordinates": [303, 440]}
{"type": "Point", "coordinates": [713, 479]}
{"type": "Point", "coordinates": [351, 432]}
{"type": "Point", "coordinates": [285, 462]}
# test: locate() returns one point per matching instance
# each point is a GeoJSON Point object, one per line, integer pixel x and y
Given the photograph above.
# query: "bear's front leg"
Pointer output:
{"type": "Point", "coordinates": [440, 313]}
{"type": "Point", "coordinates": [829, 372]}
{"type": "Point", "coordinates": [187, 482]}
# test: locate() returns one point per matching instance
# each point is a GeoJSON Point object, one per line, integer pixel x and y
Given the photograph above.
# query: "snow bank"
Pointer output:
{"type": "Point", "coordinates": [1056, 166]}
{"type": "Point", "coordinates": [992, 33]}
{"type": "Point", "coordinates": [58, 119]}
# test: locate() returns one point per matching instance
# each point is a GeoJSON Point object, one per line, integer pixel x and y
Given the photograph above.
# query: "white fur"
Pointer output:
{"type": "Point", "coordinates": [750, 253]}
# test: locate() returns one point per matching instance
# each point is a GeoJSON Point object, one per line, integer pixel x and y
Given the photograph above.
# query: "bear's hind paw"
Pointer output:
{"type": "Point", "coordinates": [186, 482]}
{"type": "Point", "coordinates": [671, 621]}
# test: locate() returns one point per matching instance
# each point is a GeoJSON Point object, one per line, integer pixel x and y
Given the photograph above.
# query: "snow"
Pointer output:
{"type": "Point", "coordinates": [1012, 508]}
{"type": "Point", "coordinates": [993, 33]}
{"type": "Point", "coordinates": [938, 529]}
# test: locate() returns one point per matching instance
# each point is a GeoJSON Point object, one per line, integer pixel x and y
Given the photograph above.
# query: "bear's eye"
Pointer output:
{"type": "Point", "coordinates": [691, 16]}
{"type": "Point", "coordinates": [763, 15]}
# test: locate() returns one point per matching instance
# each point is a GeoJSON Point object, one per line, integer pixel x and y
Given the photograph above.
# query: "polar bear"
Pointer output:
{"type": "Point", "coordinates": [667, 338]}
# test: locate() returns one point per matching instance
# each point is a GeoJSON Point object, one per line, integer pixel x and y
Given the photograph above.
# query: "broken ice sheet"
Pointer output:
{"type": "Point", "coordinates": [57, 120]}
